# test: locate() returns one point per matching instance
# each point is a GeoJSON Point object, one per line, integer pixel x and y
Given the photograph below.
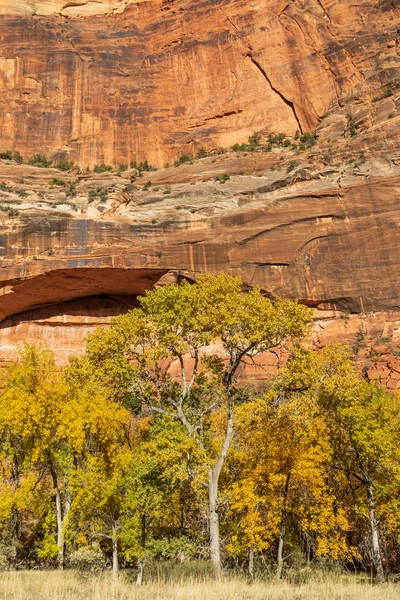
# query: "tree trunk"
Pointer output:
{"type": "Point", "coordinates": [213, 479]}
{"type": "Point", "coordinates": [60, 530]}
{"type": "Point", "coordinates": [139, 577]}
{"type": "Point", "coordinates": [214, 519]}
{"type": "Point", "coordinates": [280, 556]}
{"type": "Point", "coordinates": [377, 560]}
{"type": "Point", "coordinates": [282, 530]}
{"type": "Point", "coordinates": [61, 516]}
{"type": "Point", "coordinates": [251, 562]}
{"type": "Point", "coordinates": [115, 563]}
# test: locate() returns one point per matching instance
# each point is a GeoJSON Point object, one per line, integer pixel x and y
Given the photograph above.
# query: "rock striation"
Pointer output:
{"type": "Point", "coordinates": [118, 80]}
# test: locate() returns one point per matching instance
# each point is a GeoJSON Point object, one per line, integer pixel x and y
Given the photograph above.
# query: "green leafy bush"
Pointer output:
{"type": "Point", "coordinates": [102, 168]}
{"type": "Point", "coordinates": [21, 193]}
{"type": "Point", "coordinates": [12, 155]}
{"type": "Point", "coordinates": [70, 193]}
{"type": "Point", "coordinates": [222, 178]}
{"type": "Point", "coordinates": [40, 160]}
{"type": "Point", "coordinates": [142, 166]}
{"type": "Point", "coordinates": [386, 94]}
{"type": "Point", "coordinates": [9, 210]}
{"type": "Point", "coordinates": [308, 139]}
{"type": "Point", "coordinates": [100, 193]}
{"type": "Point", "coordinates": [65, 165]}
{"type": "Point", "coordinates": [184, 158]}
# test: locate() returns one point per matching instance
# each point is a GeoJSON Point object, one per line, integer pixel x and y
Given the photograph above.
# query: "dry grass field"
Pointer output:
{"type": "Point", "coordinates": [35, 585]}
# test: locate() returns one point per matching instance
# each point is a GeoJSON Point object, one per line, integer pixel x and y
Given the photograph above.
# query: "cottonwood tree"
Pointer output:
{"type": "Point", "coordinates": [160, 505]}
{"type": "Point", "coordinates": [279, 485]}
{"type": "Point", "coordinates": [30, 415]}
{"type": "Point", "coordinates": [363, 424]}
{"type": "Point", "coordinates": [163, 357]}
{"type": "Point", "coordinates": [100, 435]}
{"type": "Point", "coordinates": [65, 446]}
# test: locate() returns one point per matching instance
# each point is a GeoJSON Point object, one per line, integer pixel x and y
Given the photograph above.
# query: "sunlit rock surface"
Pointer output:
{"type": "Point", "coordinates": [115, 82]}
{"type": "Point", "coordinates": [119, 80]}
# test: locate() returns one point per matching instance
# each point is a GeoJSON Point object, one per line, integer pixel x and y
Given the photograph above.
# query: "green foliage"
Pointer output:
{"type": "Point", "coordinates": [385, 94]}
{"type": "Point", "coordinates": [183, 159]}
{"type": "Point", "coordinates": [88, 561]}
{"type": "Point", "coordinates": [56, 182]}
{"type": "Point", "coordinates": [308, 139]}
{"type": "Point", "coordinates": [102, 168]}
{"type": "Point", "coordinates": [5, 188]}
{"type": "Point", "coordinates": [254, 140]}
{"type": "Point", "coordinates": [255, 143]}
{"type": "Point", "coordinates": [12, 155]}
{"type": "Point", "coordinates": [202, 153]}
{"type": "Point", "coordinates": [215, 307]}
{"type": "Point", "coordinates": [47, 546]}
{"type": "Point", "coordinates": [100, 193]}
{"type": "Point", "coordinates": [142, 167]}
{"type": "Point", "coordinates": [276, 139]}
{"type": "Point", "coordinates": [9, 210]}
{"type": "Point", "coordinates": [40, 160]}
{"type": "Point", "coordinates": [65, 165]}
{"type": "Point", "coordinates": [70, 192]}
{"type": "Point", "coordinates": [351, 125]}
{"type": "Point", "coordinates": [222, 178]}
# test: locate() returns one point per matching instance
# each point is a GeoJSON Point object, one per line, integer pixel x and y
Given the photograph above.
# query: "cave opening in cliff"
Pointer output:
{"type": "Point", "coordinates": [61, 307]}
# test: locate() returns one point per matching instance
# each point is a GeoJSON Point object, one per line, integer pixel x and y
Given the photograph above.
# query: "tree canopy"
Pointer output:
{"type": "Point", "coordinates": [157, 444]}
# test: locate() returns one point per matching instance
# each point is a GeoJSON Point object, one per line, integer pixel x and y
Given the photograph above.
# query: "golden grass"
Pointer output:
{"type": "Point", "coordinates": [50, 585]}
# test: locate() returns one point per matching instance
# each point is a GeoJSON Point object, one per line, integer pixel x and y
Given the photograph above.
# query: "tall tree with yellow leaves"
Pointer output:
{"type": "Point", "coordinates": [363, 425]}
{"type": "Point", "coordinates": [65, 445]}
{"type": "Point", "coordinates": [30, 416]}
{"type": "Point", "coordinates": [100, 434]}
{"type": "Point", "coordinates": [180, 324]}
{"type": "Point", "coordinates": [279, 460]}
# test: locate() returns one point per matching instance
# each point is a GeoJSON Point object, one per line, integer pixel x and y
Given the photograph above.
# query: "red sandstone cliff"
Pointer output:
{"type": "Point", "coordinates": [115, 80]}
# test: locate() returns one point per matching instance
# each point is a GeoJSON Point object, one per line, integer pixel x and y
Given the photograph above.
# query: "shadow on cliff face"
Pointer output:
{"type": "Point", "coordinates": [63, 327]}
{"type": "Point", "coordinates": [60, 308]}
{"type": "Point", "coordinates": [88, 310]}
{"type": "Point", "coordinates": [61, 285]}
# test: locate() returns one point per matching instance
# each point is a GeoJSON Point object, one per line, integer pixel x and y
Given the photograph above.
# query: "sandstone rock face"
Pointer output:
{"type": "Point", "coordinates": [328, 235]}
{"type": "Point", "coordinates": [119, 80]}
{"type": "Point", "coordinates": [65, 8]}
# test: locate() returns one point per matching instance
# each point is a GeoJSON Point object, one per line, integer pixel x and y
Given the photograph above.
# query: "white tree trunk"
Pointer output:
{"type": "Point", "coordinates": [282, 530]}
{"type": "Point", "coordinates": [213, 479]}
{"type": "Point", "coordinates": [61, 517]}
{"type": "Point", "coordinates": [60, 530]}
{"type": "Point", "coordinates": [139, 577]}
{"type": "Point", "coordinates": [115, 563]}
{"type": "Point", "coordinates": [214, 519]}
{"type": "Point", "coordinates": [251, 562]}
{"type": "Point", "coordinates": [280, 556]}
{"type": "Point", "coordinates": [377, 560]}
